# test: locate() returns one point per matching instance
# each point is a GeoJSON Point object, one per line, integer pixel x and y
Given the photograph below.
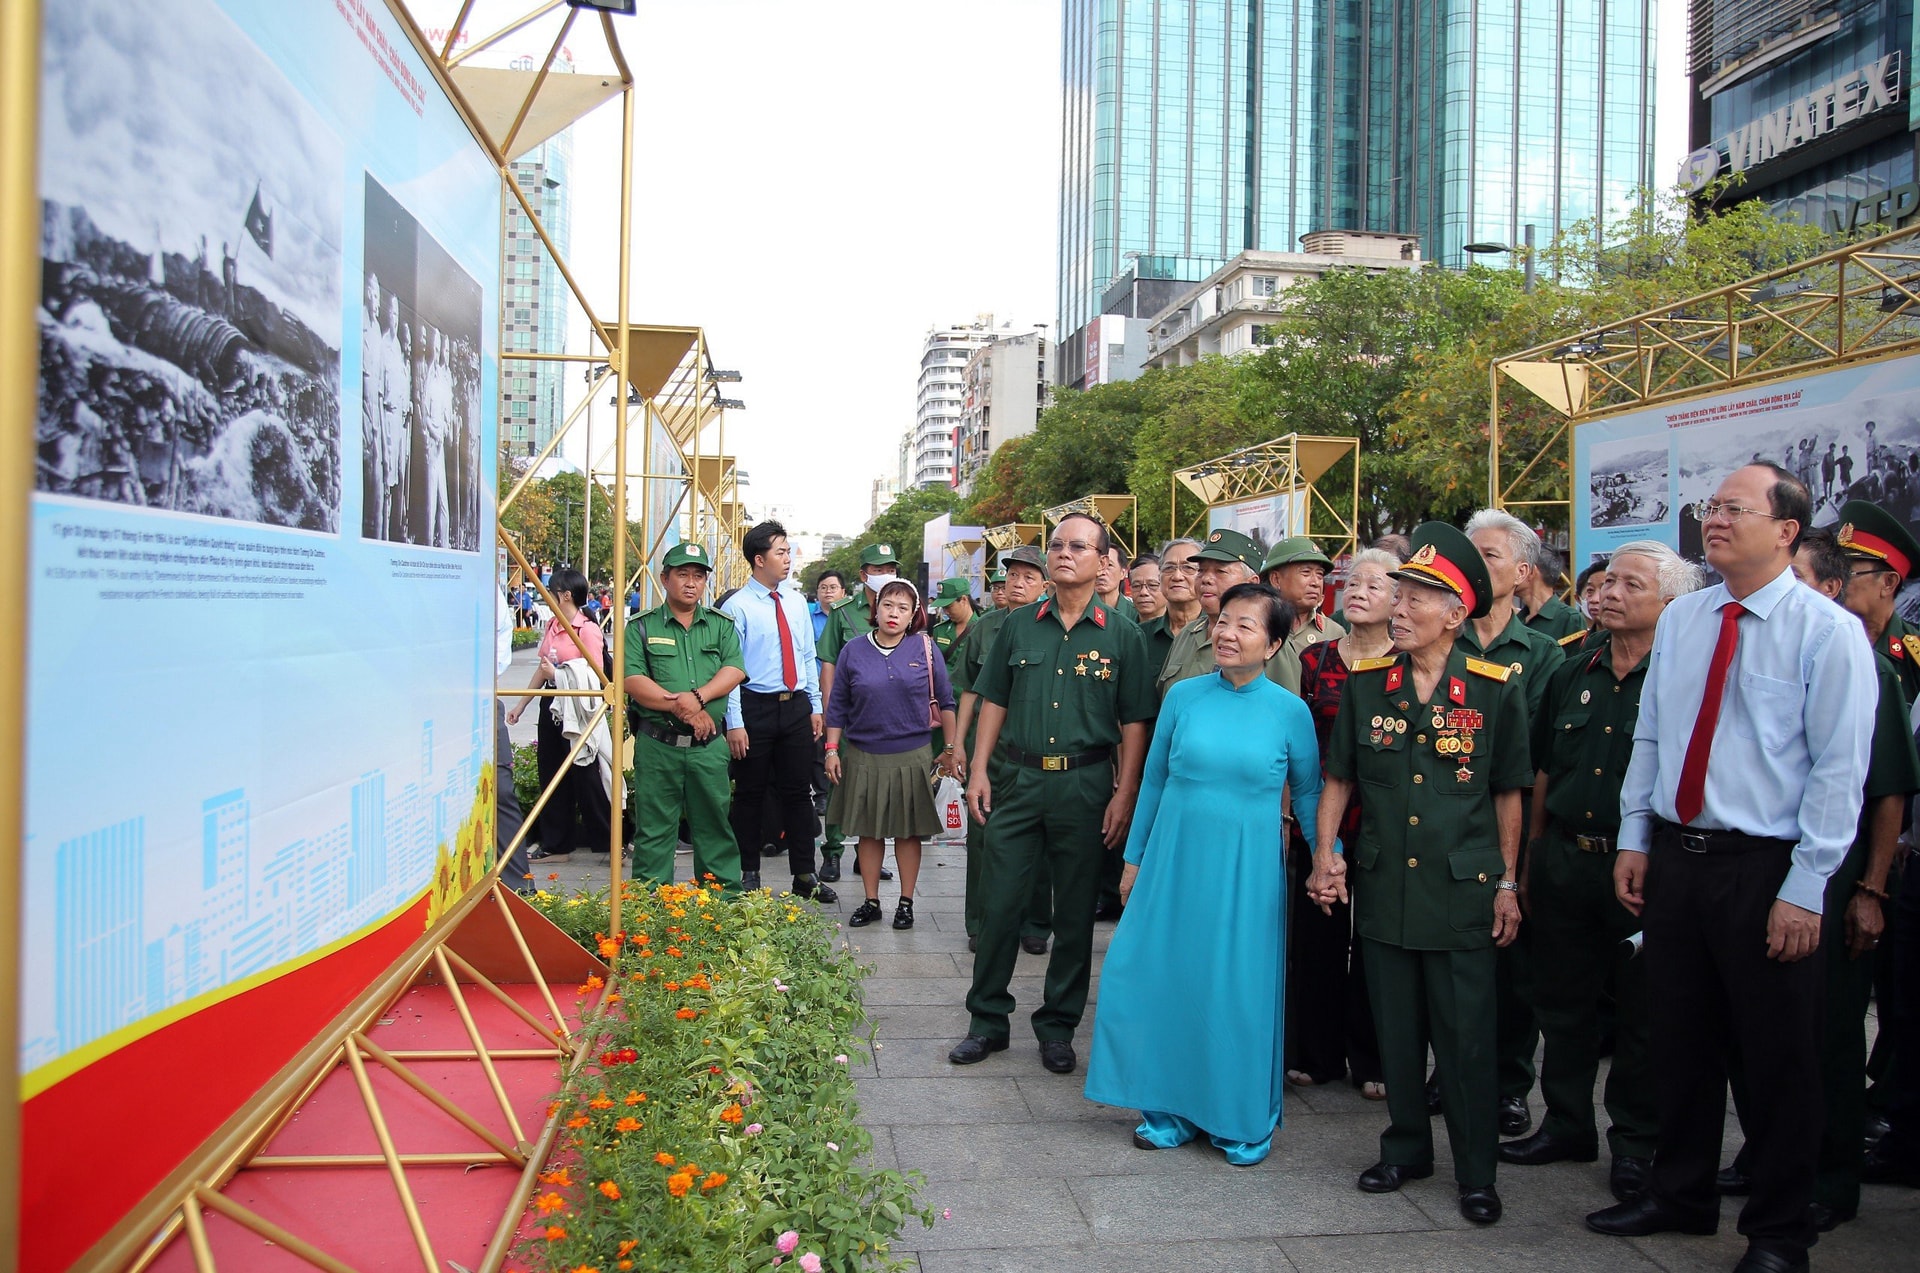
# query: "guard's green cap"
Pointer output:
{"type": "Point", "coordinates": [1870, 531]}
{"type": "Point", "coordinates": [1443, 557]}
{"type": "Point", "coordinates": [951, 590]}
{"type": "Point", "coordinates": [999, 576]}
{"type": "Point", "coordinates": [1293, 551]}
{"type": "Point", "coordinates": [1229, 545]}
{"type": "Point", "coordinates": [1024, 555]}
{"type": "Point", "coordinates": [687, 553]}
{"type": "Point", "coordinates": [878, 555]}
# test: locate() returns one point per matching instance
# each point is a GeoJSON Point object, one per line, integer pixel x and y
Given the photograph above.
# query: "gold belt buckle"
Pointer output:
{"type": "Point", "coordinates": [1053, 764]}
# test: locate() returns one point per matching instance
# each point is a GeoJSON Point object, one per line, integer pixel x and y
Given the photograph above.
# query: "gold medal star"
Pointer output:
{"type": "Point", "coordinates": [1080, 669]}
{"type": "Point", "coordinates": [1464, 774]}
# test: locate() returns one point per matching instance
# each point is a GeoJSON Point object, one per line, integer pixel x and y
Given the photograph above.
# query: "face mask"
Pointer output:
{"type": "Point", "coordinates": [1585, 608]}
{"type": "Point", "coordinates": [876, 582]}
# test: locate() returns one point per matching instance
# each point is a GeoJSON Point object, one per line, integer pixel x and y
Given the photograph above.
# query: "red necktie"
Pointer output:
{"type": "Point", "coordinates": [1692, 794]}
{"type": "Point", "coordinates": [789, 666]}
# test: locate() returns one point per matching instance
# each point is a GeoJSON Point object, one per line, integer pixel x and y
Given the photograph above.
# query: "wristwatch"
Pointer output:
{"type": "Point", "coordinates": [1509, 885]}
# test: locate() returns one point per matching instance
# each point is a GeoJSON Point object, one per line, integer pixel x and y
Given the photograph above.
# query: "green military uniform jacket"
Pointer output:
{"type": "Point", "coordinates": [1283, 669]}
{"type": "Point", "coordinates": [1066, 691]}
{"type": "Point", "coordinates": [1159, 645]}
{"type": "Point", "coordinates": [1428, 853]}
{"type": "Point", "coordinates": [848, 619]}
{"type": "Point", "coordinates": [1191, 654]}
{"type": "Point", "coordinates": [679, 659]}
{"type": "Point", "coordinates": [948, 638]}
{"type": "Point", "coordinates": [1583, 739]}
{"type": "Point", "coordinates": [964, 668]}
{"type": "Point", "coordinates": [1529, 655]}
{"type": "Point", "coordinates": [1125, 608]}
{"type": "Point", "coordinates": [1893, 764]}
{"type": "Point", "coordinates": [1896, 647]}
{"type": "Point", "coordinates": [1557, 619]}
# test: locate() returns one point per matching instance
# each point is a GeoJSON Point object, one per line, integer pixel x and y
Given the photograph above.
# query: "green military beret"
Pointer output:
{"type": "Point", "coordinates": [1290, 552]}
{"type": "Point", "coordinates": [1024, 555]}
{"type": "Point", "coordinates": [1867, 530]}
{"type": "Point", "coordinates": [687, 553]}
{"type": "Point", "coordinates": [1229, 545]}
{"type": "Point", "coordinates": [1443, 557]}
{"type": "Point", "coordinates": [878, 555]}
{"type": "Point", "coordinates": [951, 590]}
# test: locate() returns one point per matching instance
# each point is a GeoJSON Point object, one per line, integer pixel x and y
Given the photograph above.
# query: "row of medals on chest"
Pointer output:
{"type": "Point", "coordinates": [1452, 732]}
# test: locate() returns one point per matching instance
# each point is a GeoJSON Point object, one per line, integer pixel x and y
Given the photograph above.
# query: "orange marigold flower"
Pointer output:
{"type": "Point", "coordinates": [585, 1268]}
{"type": "Point", "coordinates": [713, 1181]}
{"type": "Point", "coordinates": [592, 983]}
{"type": "Point", "coordinates": [560, 1178]}
{"type": "Point", "coordinates": [602, 1101]}
{"type": "Point", "coordinates": [627, 1125]}
{"type": "Point", "coordinates": [626, 1247]}
{"type": "Point", "coordinates": [553, 1107]}
{"type": "Point", "coordinates": [646, 954]}
{"type": "Point", "coordinates": [555, 1233]}
{"type": "Point", "coordinates": [674, 951]}
{"type": "Point", "coordinates": [672, 986]}
{"type": "Point", "coordinates": [578, 1121]}
{"type": "Point", "coordinates": [608, 948]}
{"type": "Point", "coordinates": [731, 1114]}
{"type": "Point", "coordinates": [625, 1264]}
{"type": "Point", "coordinates": [678, 1184]}
{"type": "Point", "coordinates": [612, 999]}
{"type": "Point", "coordinates": [610, 1189]}
{"type": "Point", "coordinates": [686, 1014]}
{"type": "Point", "coordinates": [641, 939]}
{"type": "Point", "coordinates": [636, 1098]}
{"type": "Point", "coordinates": [665, 1160]}
{"type": "Point", "coordinates": [548, 1203]}
{"type": "Point", "coordinates": [692, 1168]}
{"type": "Point", "coordinates": [553, 875]}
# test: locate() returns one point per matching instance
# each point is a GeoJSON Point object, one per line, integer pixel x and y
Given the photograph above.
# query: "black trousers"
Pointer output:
{"type": "Point", "coordinates": [1902, 1141]}
{"type": "Point", "coordinates": [579, 800]}
{"type": "Point", "coordinates": [1329, 1019]}
{"type": "Point", "coordinates": [778, 767]}
{"type": "Point", "coordinates": [507, 815]}
{"type": "Point", "coordinates": [1716, 999]}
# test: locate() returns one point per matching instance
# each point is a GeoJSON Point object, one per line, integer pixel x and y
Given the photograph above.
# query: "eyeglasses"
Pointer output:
{"type": "Point", "coordinates": [1708, 509]}
{"type": "Point", "coordinates": [1864, 571]}
{"type": "Point", "coordinates": [1074, 546]}
{"type": "Point", "coordinates": [1179, 568]}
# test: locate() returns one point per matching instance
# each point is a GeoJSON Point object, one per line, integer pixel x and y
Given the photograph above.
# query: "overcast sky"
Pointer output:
{"type": "Point", "coordinates": [817, 185]}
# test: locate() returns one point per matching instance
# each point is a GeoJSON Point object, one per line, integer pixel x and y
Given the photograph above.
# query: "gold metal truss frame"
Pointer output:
{"type": "Point", "coordinates": [1014, 534]}
{"type": "Point", "coordinates": [1856, 304]}
{"type": "Point", "coordinates": [1108, 510]}
{"type": "Point", "coordinates": [1289, 464]}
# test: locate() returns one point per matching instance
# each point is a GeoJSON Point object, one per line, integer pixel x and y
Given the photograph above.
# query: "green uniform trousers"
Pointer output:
{"type": "Point", "coordinates": [1444, 998]}
{"type": "Point", "coordinates": [1843, 1046]}
{"type": "Point", "coordinates": [1518, 1036]}
{"type": "Point", "coordinates": [1579, 948]}
{"type": "Point", "coordinates": [1037, 922]}
{"type": "Point", "coordinates": [1049, 820]}
{"type": "Point", "coordinates": [671, 783]}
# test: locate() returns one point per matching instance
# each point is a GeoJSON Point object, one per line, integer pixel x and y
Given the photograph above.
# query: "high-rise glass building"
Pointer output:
{"type": "Point", "coordinates": [1193, 130]}
{"type": "Point", "coordinates": [534, 297]}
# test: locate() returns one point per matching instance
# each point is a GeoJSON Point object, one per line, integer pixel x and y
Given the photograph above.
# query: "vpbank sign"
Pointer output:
{"type": "Point", "coordinates": [1854, 96]}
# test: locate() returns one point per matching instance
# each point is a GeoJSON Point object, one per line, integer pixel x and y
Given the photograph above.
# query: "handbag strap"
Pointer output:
{"type": "Point", "coordinates": [926, 643]}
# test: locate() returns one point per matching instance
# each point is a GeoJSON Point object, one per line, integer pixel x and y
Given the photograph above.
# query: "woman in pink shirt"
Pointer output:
{"type": "Point", "coordinates": [580, 799]}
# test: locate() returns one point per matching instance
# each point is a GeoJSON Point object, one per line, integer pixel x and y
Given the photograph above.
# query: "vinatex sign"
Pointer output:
{"type": "Point", "coordinates": [1852, 96]}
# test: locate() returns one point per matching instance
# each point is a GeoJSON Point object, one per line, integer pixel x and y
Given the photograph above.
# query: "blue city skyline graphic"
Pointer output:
{"type": "Point", "coordinates": [114, 964]}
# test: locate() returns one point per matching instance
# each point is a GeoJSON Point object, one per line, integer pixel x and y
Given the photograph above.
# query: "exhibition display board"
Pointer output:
{"type": "Point", "coordinates": [262, 602]}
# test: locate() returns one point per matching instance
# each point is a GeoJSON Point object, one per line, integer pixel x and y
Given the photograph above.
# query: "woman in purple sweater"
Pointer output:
{"type": "Point", "coordinates": [878, 755]}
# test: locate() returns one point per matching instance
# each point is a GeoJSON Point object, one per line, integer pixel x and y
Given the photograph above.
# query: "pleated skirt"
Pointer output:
{"type": "Point", "coordinates": [884, 795]}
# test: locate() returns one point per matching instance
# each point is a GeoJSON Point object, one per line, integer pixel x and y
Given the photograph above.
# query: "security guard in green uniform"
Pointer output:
{"type": "Point", "coordinates": [1436, 740]}
{"type": "Point", "coordinates": [1022, 573]}
{"type": "Point", "coordinates": [1225, 558]}
{"type": "Point", "coordinates": [1582, 741]}
{"type": "Point", "coordinates": [683, 659]}
{"type": "Point", "coordinates": [1055, 769]}
{"type": "Point", "coordinates": [956, 599]}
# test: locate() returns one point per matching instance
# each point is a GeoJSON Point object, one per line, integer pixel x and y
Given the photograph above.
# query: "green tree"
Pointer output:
{"type": "Point", "coordinates": [1082, 444]}
{"type": "Point", "coordinates": [900, 526]}
{"type": "Point", "coordinates": [996, 491]}
{"type": "Point", "coordinates": [1191, 414]}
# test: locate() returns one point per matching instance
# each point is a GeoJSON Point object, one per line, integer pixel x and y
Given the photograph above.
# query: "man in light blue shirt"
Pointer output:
{"type": "Point", "coordinates": [775, 719]}
{"type": "Point", "coordinates": [1742, 797]}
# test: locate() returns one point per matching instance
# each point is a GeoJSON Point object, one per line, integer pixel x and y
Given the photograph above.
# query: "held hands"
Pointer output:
{"type": "Point", "coordinates": [1506, 916]}
{"type": "Point", "coordinates": [703, 727]}
{"type": "Point", "coordinates": [1866, 925]}
{"type": "Point", "coordinates": [1328, 882]}
{"type": "Point", "coordinates": [1630, 880]}
{"type": "Point", "coordinates": [1792, 933]}
{"type": "Point", "coordinates": [1127, 878]}
{"type": "Point", "coordinates": [951, 765]}
{"type": "Point", "coordinates": [737, 743]}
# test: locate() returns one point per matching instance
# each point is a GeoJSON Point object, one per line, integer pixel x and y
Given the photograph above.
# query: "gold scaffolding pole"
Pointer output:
{"type": "Point", "coordinates": [616, 707]}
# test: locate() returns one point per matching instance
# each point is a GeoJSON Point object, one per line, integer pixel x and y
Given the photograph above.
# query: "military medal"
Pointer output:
{"type": "Point", "coordinates": [1376, 727]}
{"type": "Point", "coordinates": [1463, 774]}
{"type": "Point", "coordinates": [1586, 696]}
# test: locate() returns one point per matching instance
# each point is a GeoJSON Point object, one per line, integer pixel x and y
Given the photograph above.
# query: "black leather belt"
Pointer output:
{"type": "Point", "coordinates": [778, 696]}
{"type": "Point", "coordinates": [1704, 840]}
{"type": "Point", "coordinates": [1593, 843]}
{"type": "Point", "coordinates": [671, 738]}
{"type": "Point", "coordinates": [1054, 764]}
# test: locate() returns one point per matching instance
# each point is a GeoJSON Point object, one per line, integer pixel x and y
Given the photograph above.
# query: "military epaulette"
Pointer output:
{"type": "Point", "coordinates": [1374, 665]}
{"type": "Point", "coordinates": [844, 601]}
{"type": "Point", "coordinates": [1573, 638]}
{"type": "Point", "coordinates": [1492, 671]}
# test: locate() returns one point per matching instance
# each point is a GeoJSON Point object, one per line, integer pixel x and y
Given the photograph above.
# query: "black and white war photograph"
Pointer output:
{"type": "Point", "coordinates": [191, 308]}
{"type": "Point", "coordinates": [1628, 482]}
{"type": "Point", "coordinates": [419, 384]}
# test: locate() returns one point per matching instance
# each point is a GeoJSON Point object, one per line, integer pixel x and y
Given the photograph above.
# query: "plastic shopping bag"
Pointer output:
{"type": "Point", "coordinates": [951, 802]}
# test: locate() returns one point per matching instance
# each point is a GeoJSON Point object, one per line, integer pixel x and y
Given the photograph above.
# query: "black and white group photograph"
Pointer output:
{"type": "Point", "coordinates": [419, 385]}
{"type": "Point", "coordinates": [190, 309]}
{"type": "Point", "coordinates": [1629, 482]}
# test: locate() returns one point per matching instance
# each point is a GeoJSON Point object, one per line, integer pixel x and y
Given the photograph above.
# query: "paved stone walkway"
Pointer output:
{"type": "Point", "coordinates": [1041, 1180]}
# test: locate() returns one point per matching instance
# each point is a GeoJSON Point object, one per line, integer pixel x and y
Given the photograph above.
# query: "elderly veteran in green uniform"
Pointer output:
{"type": "Point", "coordinates": [1178, 578]}
{"type": "Point", "coordinates": [1113, 573]}
{"type": "Point", "coordinates": [1510, 548]}
{"type": "Point", "coordinates": [1023, 572]}
{"type": "Point", "coordinates": [1582, 741]}
{"type": "Point", "coordinates": [1435, 740]}
{"type": "Point", "coordinates": [1884, 557]}
{"type": "Point", "coordinates": [1066, 697]}
{"type": "Point", "coordinates": [1225, 559]}
{"type": "Point", "coordinates": [682, 661]}
{"type": "Point", "coordinates": [1297, 570]}
{"type": "Point", "coordinates": [1538, 597]}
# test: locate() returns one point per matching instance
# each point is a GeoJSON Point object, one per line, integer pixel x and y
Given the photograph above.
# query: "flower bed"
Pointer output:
{"type": "Point", "coordinates": [716, 1128]}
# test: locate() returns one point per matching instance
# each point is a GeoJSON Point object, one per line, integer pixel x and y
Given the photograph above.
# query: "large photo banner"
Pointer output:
{"type": "Point", "coordinates": [1848, 434]}
{"type": "Point", "coordinates": [1266, 520]}
{"type": "Point", "coordinates": [261, 641]}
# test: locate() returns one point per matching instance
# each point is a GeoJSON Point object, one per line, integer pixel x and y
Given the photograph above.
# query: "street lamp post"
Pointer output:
{"type": "Point", "coordinates": [1526, 250]}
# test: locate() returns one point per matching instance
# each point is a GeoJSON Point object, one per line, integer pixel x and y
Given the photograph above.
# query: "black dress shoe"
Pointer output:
{"type": "Point", "coordinates": [1386, 1177]}
{"type": "Point", "coordinates": [830, 868]}
{"type": "Point", "coordinates": [1877, 1168]}
{"type": "Point", "coordinates": [1544, 1147]}
{"type": "Point", "coordinates": [1482, 1206]}
{"type": "Point", "coordinates": [886, 872]}
{"type": "Point", "coordinates": [1630, 1177]}
{"type": "Point", "coordinates": [865, 913]}
{"type": "Point", "coordinates": [1034, 945]}
{"type": "Point", "coordinates": [749, 881]}
{"type": "Point", "coordinates": [1104, 912]}
{"type": "Point", "coordinates": [1516, 1118]}
{"type": "Point", "coordinates": [810, 888]}
{"type": "Point", "coordinates": [1645, 1215]}
{"type": "Point", "coordinates": [1756, 1261]}
{"type": "Point", "coordinates": [1057, 1055]}
{"type": "Point", "coordinates": [1877, 1126]}
{"type": "Point", "coordinates": [973, 944]}
{"type": "Point", "coordinates": [974, 1049]}
{"type": "Point", "coordinates": [1824, 1218]}
{"type": "Point", "coordinates": [1141, 1142]}
{"type": "Point", "coordinates": [1433, 1096]}
{"type": "Point", "coordinates": [1733, 1182]}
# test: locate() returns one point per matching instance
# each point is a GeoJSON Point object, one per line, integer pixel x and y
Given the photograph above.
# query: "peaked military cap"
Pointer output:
{"type": "Point", "coordinates": [1867, 530]}
{"type": "Point", "coordinates": [1443, 557]}
{"type": "Point", "coordinates": [1293, 551]}
{"type": "Point", "coordinates": [1229, 545]}
{"type": "Point", "coordinates": [687, 553]}
{"type": "Point", "coordinates": [950, 590]}
{"type": "Point", "coordinates": [1024, 555]}
{"type": "Point", "coordinates": [998, 577]}
{"type": "Point", "coordinates": [878, 555]}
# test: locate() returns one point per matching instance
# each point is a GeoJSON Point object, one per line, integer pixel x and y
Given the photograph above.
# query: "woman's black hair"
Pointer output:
{"type": "Point", "coordinates": [919, 621]}
{"type": "Point", "coordinates": [566, 580]}
{"type": "Point", "coordinates": [1279, 609]}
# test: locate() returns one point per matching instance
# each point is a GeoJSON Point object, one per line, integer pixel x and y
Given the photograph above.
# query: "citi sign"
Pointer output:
{"type": "Point", "coordinates": [1829, 108]}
